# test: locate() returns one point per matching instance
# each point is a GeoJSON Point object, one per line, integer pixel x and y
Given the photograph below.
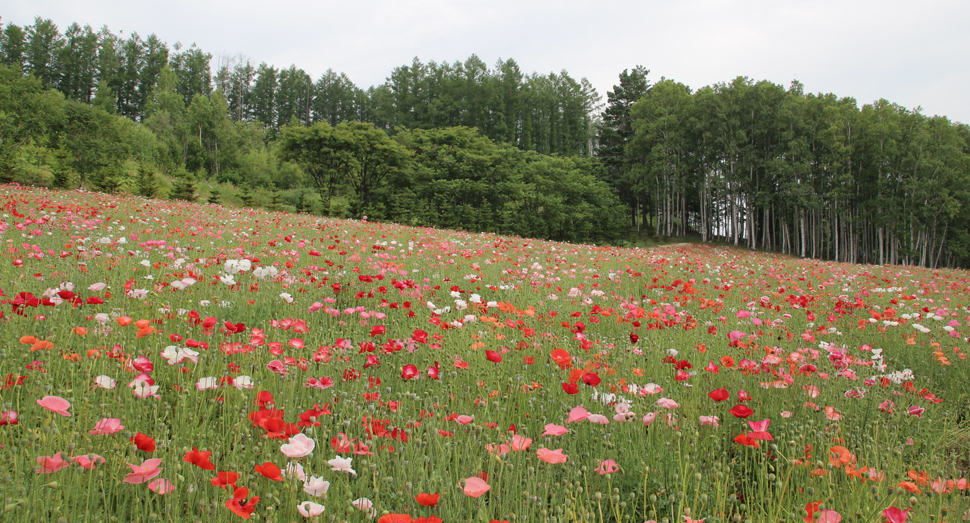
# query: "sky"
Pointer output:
{"type": "Point", "coordinates": [915, 54]}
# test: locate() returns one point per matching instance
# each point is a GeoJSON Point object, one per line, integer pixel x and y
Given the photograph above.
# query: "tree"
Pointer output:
{"type": "Point", "coordinates": [28, 114]}
{"type": "Point", "coordinates": [43, 45]}
{"type": "Point", "coordinates": [96, 143]}
{"type": "Point", "coordinates": [14, 47]}
{"type": "Point", "coordinates": [616, 132]}
{"type": "Point", "coordinates": [317, 151]}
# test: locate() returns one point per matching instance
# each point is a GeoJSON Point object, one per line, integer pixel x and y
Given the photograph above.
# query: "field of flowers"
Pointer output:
{"type": "Point", "coordinates": [173, 362]}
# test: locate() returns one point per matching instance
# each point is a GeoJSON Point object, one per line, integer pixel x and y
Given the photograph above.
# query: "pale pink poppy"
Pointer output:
{"type": "Point", "coordinates": [786, 413]}
{"type": "Point", "coordinates": [88, 461]}
{"type": "Point", "coordinates": [105, 382]}
{"type": "Point", "coordinates": [577, 414]}
{"type": "Point", "coordinates": [551, 456]}
{"type": "Point", "coordinates": [161, 486]}
{"type": "Point", "coordinates": [607, 467]}
{"type": "Point", "coordinates": [667, 403]}
{"type": "Point", "coordinates": [309, 509]}
{"type": "Point", "coordinates": [520, 442]}
{"type": "Point", "coordinates": [651, 389]}
{"type": "Point", "coordinates": [50, 464]}
{"type": "Point", "coordinates": [55, 404]}
{"type": "Point", "coordinates": [598, 418]}
{"type": "Point", "coordinates": [464, 420]}
{"type": "Point", "coordinates": [144, 472]}
{"type": "Point", "coordinates": [476, 487]}
{"type": "Point", "coordinates": [742, 315]}
{"type": "Point", "coordinates": [648, 419]}
{"type": "Point", "coordinates": [106, 427]}
{"type": "Point", "coordinates": [555, 430]}
{"type": "Point", "coordinates": [710, 420]}
{"type": "Point", "coordinates": [316, 486]}
{"type": "Point", "coordinates": [298, 447]}
{"type": "Point", "coordinates": [339, 464]}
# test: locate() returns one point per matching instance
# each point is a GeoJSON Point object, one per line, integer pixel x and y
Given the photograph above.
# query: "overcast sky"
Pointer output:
{"type": "Point", "coordinates": [910, 53]}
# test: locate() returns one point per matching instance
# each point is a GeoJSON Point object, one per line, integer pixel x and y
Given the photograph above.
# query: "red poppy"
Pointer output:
{"type": "Point", "coordinates": [562, 358]}
{"type": "Point", "coordinates": [493, 356]}
{"type": "Point", "coordinates": [591, 378]}
{"type": "Point", "coordinates": [225, 479]}
{"type": "Point", "coordinates": [143, 442]}
{"type": "Point", "coordinates": [634, 338]}
{"type": "Point", "coordinates": [264, 397]}
{"type": "Point", "coordinates": [745, 440]}
{"type": "Point", "coordinates": [434, 372]}
{"type": "Point", "coordinates": [270, 471]}
{"type": "Point", "coordinates": [238, 507]}
{"type": "Point", "coordinates": [427, 500]}
{"type": "Point", "coordinates": [570, 388]}
{"type": "Point", "coordinates": [408, 372]}
{"type": "Point", "coordinates": [429, 519]}
{"type": "Point", "coordinates": [395, 518]}
{"type": "Point", "coordinates": [719, 394]}
{"type": "Point", "coordinates": [741, 411]}
{"type": "Point", "coordinates": [199, 459]}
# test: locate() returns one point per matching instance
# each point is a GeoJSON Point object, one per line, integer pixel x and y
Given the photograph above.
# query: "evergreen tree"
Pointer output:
{"type": "Point", "coordinates": [147, 182]}
{"type": "Point", "coordinates": [184, 188]}
{"type": "Point", "coordinates": [617, 131]}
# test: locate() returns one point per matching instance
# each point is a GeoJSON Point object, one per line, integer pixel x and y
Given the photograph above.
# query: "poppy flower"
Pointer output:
{"type": "Point", "coordinates": [591, 378]}
{"type": "Point", "coordinates": [395, 518]}
{"type": "Point", "coordinates": [719, 395]}
{"type": "Point", "coordinates": [50, 464]}
{"type": "Point", "coordinates": [554, 430]}
{"type": "Point", "coordinates": [225, 479]}
{"type": "Point", "coordinates": [434, 372]}
{"type": "Point", "coordinates": [55, 404]}
{"type": "Point", "coordinates": [88, 461]}
{"type": "Point", "coordinates": [144, 472]}
{"type": "Point", "coordinates": [895, 515]}
{"type": "Point", "coordinates": [409, 372]}
{"type": "Point", "coordinates": [106, 427]}
{"type": "Point", "coordinates": [570, 388]}
{"type": "Point", "coordinates": [493, 356]}
{"type": "Point", "coordinates": [143, 442]}
{"type": "Point", "coordinates": [269, 471]}
{"type": "Point", "coordinates": [199, 459]}
{"type": "Point", "coordinates": [744, 439]}
{"type": "Point", "coordinates": [427, 500]}
{"type": "Point", "coordinates": [339, 464]}
{"type": "Point", "coordinates": [429, 519]}
{"type": "Point", "coordinates": [741, 411]}
{"type": "Point", "coordinates": [476, 487]}
{"type": "Point", "coordinates": [299, 446]}
{"type": "Point", "coordinates": [607, 467]}
{"type": "Point", "coordinates": [161, 486]}
{"type": "Point", "coordinates": [309, 509]}
{"type": "Point", "coordinates": [578, 413]}
{"type": "Point", "coordinates": [236, 505]}
{"type": "Point", "coordinates": [315, 486]}
{"type": "Point", "coordinates": [520, 442]}
{"type": "Point", "coordinates": [551, 456]}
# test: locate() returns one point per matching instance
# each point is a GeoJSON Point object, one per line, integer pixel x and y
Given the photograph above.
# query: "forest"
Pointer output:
{"type": "Point", "coordinates": [467, 146]}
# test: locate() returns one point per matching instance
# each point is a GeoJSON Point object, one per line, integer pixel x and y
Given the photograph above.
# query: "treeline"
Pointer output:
{"type": "Point", "coordinates": [763, 166]}
{"type": "Point", "coordinates": [462, 145]}
{"type": "Point", "coordinates": [180, 122]}
{"type": "Point", "coordinates": [551, 114]}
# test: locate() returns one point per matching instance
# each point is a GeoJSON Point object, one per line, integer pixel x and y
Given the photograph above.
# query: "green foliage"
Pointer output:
{"type": "Point", "coordinates": [184, 188]}
{"type": "Point", "coordinates": [147, 182]}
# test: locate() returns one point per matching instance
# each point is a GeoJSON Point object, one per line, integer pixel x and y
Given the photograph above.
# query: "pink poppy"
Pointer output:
{"type": "Point", "coordinates": [607, 467]}
{"type": "Point", "coordinates": [498, 449]}
{"type": "Point", "coordinates": [464, 420]}
{"type": "Point", "coordinates": [829, 516]}
{"type": "Point", "coordinates": [520, 442]}
{"type": "Point", "coordinates": [476, 487]}
{"type": "Point", "coordinates": [648, 419]}
{"type": "Point", "coordinates": [50, 464]}
{"type": "Point", "coordinates": [161, 486]}
{"type": "Point", "coordinates": [309, 509]}
{"type": "Point", "coordinates": [667, 403]}
{"type": "Point", "coordinates": [895, 515]}
{"type": "Point", "coordinates": [106, 427]}
{"type": "Point", "coordinates": [598, 418]}
{"type": "Point", "coordinates": [551, 456]}
{"type": "Point", "coordinates": [88, 461]}
{"type": "Point", "coordinates": [577, 414]}
{"type": "Point", "coordinates": [55, 404]}
{"type": "Point", "coordinates": [144, 472]}
{"type": "Point", "coordinates": [917, 411]}
{"type": "Point", "coordinates": [555, 430]}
